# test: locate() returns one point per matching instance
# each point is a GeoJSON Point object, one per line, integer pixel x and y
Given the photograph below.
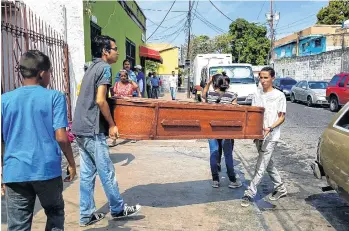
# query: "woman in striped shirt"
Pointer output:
{"type": "Point", "coordinates": [220, 95]}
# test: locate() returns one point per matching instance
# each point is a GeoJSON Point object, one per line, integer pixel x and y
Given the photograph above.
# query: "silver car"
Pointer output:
{"type": "Point", "coordinates": [310, 92]}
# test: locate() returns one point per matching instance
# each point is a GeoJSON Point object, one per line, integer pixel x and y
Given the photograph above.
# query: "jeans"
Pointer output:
{"type": "Point", "coordinates": [20, 201]}
{"type": "Point", "coordinates": [265, 163]}
{"type": "Point", "coordinates": [155, 92]}
{"type": "Point", "coordinates": [173, 92]}
{"type": "Point", "coordinates": [228, 155]}
{"type": "Point", "coordinates": [94, 158]}
{"type": "Point", "coordinates": [149, 92]}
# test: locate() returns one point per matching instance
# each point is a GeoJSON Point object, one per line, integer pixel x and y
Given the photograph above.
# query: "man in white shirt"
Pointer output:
{"type": "Point", "coordinates": [173, 85]}
{"type": "Point", "coordinates": [274, 103]}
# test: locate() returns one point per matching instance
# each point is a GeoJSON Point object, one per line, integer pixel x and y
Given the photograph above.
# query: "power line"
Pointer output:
{"type": "Point", "coordinates": [168, 35]}
{"type": "Point", "coordinates": [261, 9]}
{"type": "Point", "coordinates": [209, 24]}
{"type": "Point", "coordinates": [288, 25]}
{"type": "Point", "coordinates": [155, 23]}
{"type": "Point", "coordinates": [221, 11]}
{"type": "Point", "coordinates": [162, 19]}
{"type": "Point", "coordinates": [165, 10]}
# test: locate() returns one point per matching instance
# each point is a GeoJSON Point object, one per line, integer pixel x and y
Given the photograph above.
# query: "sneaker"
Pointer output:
{"type": "Point", "coordinates": [277, 195]}
{"type": "Point", "coordinates": [246, 201]}
{"type": "Point", "coordinates": [215, 184]}
{"type": "Point", "coordinates": [95, 217]}
{"type": "Point", "coordinates": [133, 141]}
{"type": "Point", "coordinates": [236, 184]}
{"type": "Point", "coordinates": [127, 212]}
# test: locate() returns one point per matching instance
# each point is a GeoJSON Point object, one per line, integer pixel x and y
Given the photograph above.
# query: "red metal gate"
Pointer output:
{"type": "Point", "coordinates": [22, 30]}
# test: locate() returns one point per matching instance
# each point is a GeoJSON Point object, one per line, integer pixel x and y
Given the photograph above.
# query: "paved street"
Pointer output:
{"type": "Point", "coordinates": [171, 179]}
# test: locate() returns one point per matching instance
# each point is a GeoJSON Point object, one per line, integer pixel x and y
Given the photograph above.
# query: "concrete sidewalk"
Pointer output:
{"type": "Point", "coordinates": [171, 180]}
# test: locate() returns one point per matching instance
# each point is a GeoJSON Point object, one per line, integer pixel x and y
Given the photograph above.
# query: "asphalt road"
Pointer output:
{"type": "Point", "coordinates": [306, 207]}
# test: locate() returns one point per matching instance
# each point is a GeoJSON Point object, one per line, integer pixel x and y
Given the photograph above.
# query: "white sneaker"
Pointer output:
{"type": "Point", "coordinates": [236, 184]}
{"type": "Point", "coordinates": [215, 184]}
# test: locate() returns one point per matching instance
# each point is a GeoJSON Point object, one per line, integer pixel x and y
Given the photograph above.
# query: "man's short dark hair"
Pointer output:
{"type": "Point", "coordinates": [270, 70]}
{"type": "Point", "coordinates": [99, 43]}
{"type": "Point", "coordinates": [33, 62]}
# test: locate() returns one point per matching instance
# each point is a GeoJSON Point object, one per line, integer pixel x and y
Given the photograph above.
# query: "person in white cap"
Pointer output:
{"type": "Point", "coordinates": [140, 79]}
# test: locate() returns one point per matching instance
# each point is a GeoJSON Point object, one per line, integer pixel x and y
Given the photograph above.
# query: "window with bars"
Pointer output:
{"type": "Point", "coordinates": [131, 52]}
{"type": "Point", "coordinates": [95, 31]}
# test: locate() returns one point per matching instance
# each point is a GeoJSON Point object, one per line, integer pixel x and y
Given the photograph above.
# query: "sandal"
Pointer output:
{"type": "Point", "coordinates": [94, 219]}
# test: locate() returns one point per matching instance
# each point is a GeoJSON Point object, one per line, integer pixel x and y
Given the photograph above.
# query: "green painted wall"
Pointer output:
{"type": "Point", "coordinates": [116, 23]}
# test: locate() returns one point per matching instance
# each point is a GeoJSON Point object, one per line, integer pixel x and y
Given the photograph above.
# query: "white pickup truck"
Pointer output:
{"type": "Point", "coordinates": [241, 78]}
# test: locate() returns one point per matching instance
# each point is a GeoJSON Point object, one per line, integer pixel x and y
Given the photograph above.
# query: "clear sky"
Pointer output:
{"type": "Point", "coordinates": [294, 16]}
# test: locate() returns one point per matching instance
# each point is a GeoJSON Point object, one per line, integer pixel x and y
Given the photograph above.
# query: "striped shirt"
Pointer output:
{"type": "Point", "coordinates": [225, 98]}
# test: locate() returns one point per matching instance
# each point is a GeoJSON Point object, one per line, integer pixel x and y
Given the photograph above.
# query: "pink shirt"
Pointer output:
{"type": "Point", "coordinates": [123, 90]}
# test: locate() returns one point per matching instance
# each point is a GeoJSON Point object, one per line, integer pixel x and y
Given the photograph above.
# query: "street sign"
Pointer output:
{"type": "Point", "coordinates": [187, 62]}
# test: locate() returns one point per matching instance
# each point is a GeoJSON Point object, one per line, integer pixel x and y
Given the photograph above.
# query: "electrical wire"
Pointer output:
{"type": "Point", "coordinates": [261, 9]}
{"type": "Point", "coordinates": [288, 25]}
{"type": "Point", "coordinates": [178, 11]}
{"type": "Point", "coordinates": [209, 24]}
{"type": "Point", "coordinates": [162, 20]}
{"type": "Point", "coordinates": [155, 23]}
{"type": "Point", "coordinates": [221, 11]}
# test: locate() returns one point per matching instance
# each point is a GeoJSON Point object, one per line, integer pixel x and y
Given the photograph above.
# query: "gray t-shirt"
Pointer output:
{"type": "Point", "coordinates": [88, 119]}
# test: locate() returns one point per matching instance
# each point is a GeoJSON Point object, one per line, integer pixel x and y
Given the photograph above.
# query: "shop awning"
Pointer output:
{"type": "Point", "coordinates": [150, 54]}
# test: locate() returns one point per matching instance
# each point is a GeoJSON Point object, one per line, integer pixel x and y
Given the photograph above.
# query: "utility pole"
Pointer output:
{"type": "Point", "coordinates": [271, 18]}
{"type": "Point", "coordinates": [188, 58]}
{"type": "Point", "coordinates": [271, 30]}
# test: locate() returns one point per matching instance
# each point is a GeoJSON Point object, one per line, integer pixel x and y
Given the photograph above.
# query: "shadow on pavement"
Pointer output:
{"type": "Point", "coordinates": [117, 224]}
{"type": "Point", "coordinates": [120, 157]}
{"type": "Point", "coordinates": [337, 214]}
{"type": "Point", "coordinates": [178, 194]}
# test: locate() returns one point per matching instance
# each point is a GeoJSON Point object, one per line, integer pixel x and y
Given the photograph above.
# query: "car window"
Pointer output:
{"type": "Point", "coordinates": [341, 83]}
{"type": "Point", "coordinates": [334, 81]}
{"type": "Point", "coordinates": [288, 82]}
{"type": "Point", "coordinates": [343, 122]}
{"type": "Point", "coordinates": [318, 85]}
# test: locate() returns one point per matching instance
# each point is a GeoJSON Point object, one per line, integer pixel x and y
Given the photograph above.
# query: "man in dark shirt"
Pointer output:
{"type": "Point", "coordinates": [91, 121]}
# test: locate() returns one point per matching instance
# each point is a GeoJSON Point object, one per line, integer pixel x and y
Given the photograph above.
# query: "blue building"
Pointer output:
{"type": "Point", "coordinates": [311, 41]}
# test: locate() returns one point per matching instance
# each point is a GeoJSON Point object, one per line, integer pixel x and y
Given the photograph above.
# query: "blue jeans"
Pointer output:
{"type": "Point", "coordinates": [173, 92]}
{"type": "Point", "coordinates": [94, 158]}
{"type": "Point", "coordinates": [20, 201]}
{"type": "Point", "coordinates": [228, 155]}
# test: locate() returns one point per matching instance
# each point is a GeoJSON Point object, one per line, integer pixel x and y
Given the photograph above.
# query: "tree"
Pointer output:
{"type": "Point", "coordinates": [151, 66]}
{"type": "Point", "coordinates": [201, 44]}
{"type": "Point", "coordinates": [249, 42]}
{"type": "Point", "coordinates": [222, 43]}
{"type": "Point", "coordinates": [336, 12]}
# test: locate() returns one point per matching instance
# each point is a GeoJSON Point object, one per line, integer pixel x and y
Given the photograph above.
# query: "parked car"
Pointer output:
{"type": "Point", "coordinates": [284, 85]}
{"type": "Point", "coordinates": [337, 92]}
{"type": "Point", "coordinates": [310, 92]}
{"type": "Point", "coordinates": [333, 154]}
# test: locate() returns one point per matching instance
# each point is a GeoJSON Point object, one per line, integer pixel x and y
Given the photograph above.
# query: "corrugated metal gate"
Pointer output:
{"type": "Point", "coordinates": [22, 30]}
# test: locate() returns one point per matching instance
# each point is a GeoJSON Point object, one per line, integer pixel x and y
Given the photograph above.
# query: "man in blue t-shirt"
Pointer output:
{"type": "Point", "coordinates": [34, 121]}
{"type": "Point", "coordinates": [155, 84]}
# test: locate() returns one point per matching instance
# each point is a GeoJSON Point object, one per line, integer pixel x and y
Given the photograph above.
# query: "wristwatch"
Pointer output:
{"type": "Point", "coordinates": [271, 129]}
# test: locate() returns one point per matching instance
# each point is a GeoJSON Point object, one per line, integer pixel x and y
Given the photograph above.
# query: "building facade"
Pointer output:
{"type": "Point", "coordinates": [169, 55]}
{"type": "Point", "coordinates": [311, 41]}
{"type": "Point", "coordinates": [122, 20]}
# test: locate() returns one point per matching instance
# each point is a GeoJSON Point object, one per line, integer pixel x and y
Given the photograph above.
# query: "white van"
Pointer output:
{"type": "Point", "coordinates": [241, 77]}
{"type": "Point", "coordinates": [201, 61]}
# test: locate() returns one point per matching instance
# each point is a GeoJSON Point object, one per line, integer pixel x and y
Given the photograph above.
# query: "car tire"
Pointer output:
{"type": "Point", "coordinates": [293, 99]}
{"type": "Point", "coordinates": [309, 101]}
{"type": "Point", "coordinates": [334, 105]}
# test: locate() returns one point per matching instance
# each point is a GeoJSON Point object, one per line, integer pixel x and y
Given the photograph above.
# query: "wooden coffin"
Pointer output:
{"type": "Point", "coordinates": [144, 119]}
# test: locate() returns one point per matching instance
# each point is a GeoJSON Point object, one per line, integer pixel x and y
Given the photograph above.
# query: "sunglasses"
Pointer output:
{"type": "Point", "coordinates": [114, 48]}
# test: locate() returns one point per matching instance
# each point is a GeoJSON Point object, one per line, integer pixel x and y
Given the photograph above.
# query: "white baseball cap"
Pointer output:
{"type": "Point", "coordinates": [138, 67]}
